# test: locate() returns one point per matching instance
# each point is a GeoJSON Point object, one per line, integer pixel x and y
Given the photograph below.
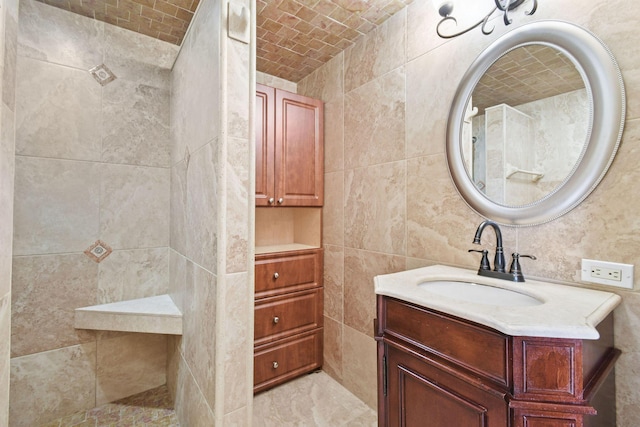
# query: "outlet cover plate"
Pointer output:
{"type": "Point", "coordinates": [626, 278]}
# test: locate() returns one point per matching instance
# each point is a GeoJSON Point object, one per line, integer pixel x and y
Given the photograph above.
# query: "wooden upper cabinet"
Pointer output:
{"type": "Point", "coordinates": [289, 149]}
{"type": "Point", "coordinates": [265, 135]}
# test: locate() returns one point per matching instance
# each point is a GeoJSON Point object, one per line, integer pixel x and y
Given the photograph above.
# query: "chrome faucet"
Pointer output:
{"type": "Point", "coordinates": [515, 271]}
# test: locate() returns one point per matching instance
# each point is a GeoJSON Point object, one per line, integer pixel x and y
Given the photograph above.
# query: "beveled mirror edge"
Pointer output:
{"type": "Point", "coordinates": [604, 84]}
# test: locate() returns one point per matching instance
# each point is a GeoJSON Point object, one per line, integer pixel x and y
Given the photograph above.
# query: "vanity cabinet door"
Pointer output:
{"type": "Point", "coordinates": [422, 392]}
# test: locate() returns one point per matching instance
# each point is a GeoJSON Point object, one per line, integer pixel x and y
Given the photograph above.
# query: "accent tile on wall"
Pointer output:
{"type": "Point", "coordinates": [374, 121]}
{"type": "Point", "coordinates": [375, 215]}
{"type": "Point", "coordinates": [50, 34]}
{"type": "Point", "coordinates": [52, 384]}
{"type": "Point", "coordinates": [134, 210]}
{"type": "Point", "coordinates": [130, 364]}
{"type": "Point", "coordinates": [132, 274]}
{"type": "Point", "coordinates": [360, 267]}
{"type": "Point", "coordinates": [376, 53]}
{"type": "Point", "coordinates": [58, 112]}
{"type": "Point", "coordinates": [46, 291]}
{"type": "Point", "coordinates": [56, 205]}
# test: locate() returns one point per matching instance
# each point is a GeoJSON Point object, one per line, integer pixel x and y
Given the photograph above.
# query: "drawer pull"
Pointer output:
{"type": "Point", "coordinates": [275, 365]}
{"type": "Point", "coordinates": [276, 275]}
{"type": "Point", "coordinates": [276, 320]}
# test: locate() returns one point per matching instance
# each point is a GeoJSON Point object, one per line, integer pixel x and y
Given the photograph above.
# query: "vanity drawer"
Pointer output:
{"type": "Point", "coordinates": [473, 347]}
{"type": "Point", "coordinates": [278, 362]}
{"type": "Point", "coordinates": [287, 272]}
{"type": "Point", "coordinates": [285, 315]}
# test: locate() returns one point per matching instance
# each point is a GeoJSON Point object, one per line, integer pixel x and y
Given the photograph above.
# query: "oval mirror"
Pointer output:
{"type": "Point", "coordinates": [535, 123]}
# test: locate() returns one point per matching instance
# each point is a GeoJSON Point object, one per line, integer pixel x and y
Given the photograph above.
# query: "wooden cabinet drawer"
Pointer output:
{"type": "Point", "coordinates": [287, 272]}
{"type": "Point", "coordinates": [282, 316]}
{"type": "Point", "coordinates": [475, 348]}
{"type": "Point", "coordinates": [278, 362]}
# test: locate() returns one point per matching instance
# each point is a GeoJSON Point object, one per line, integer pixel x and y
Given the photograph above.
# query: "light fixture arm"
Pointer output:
{"type": "Point", "coordinates": [502, 5]}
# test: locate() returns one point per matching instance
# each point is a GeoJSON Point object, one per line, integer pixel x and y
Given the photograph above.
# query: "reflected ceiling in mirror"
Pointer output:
{"type": "Point", "coordinates": [527, 125]}
{"type": "Point", "coordinates": [593, 98]}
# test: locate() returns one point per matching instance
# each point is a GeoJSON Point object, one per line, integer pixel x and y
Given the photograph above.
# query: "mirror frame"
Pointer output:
{"type": "Point", "coordinates": [605, 88]}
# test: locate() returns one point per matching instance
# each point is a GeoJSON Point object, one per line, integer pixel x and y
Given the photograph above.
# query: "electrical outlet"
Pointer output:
{"type": "Point", "coordinates": [607, 273]}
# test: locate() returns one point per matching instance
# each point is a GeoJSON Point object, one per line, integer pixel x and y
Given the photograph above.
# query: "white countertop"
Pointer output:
{"type": "Point", "coordinates": [565, 312]}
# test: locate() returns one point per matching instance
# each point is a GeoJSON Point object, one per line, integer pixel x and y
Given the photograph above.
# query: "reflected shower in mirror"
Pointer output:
{"type": "Point", "coordinates": [526, 125]}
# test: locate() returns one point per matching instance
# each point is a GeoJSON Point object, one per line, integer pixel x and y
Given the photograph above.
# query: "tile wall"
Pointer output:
{"type": "Point", "coordinates": [92, 165]}
{"type": "Point", "coordinates": [8, 43]}
{"type": "Point", "coordinates": [210, 367]}
{"type": "Point", "coordinates": [390, 204]}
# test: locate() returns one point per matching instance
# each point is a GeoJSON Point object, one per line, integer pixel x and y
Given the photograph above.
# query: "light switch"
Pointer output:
{"type": "Point", "coordinates": [238, 22]}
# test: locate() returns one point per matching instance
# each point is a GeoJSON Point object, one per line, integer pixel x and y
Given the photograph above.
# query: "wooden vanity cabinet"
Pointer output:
{"type": "Point", "coordinates": [289, 149]}
{"type": "Point", "coordinates": [436, 370]}
{"type": "Point", "coordinates": [288, 333]}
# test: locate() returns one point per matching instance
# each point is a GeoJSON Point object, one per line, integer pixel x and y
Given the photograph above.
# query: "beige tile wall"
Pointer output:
{"type": "Point", "coordinates": [210, 366]}
{"type": "Point", "coordinates": [399, 210]}
{"type": "Point", "coordinates": [92, 162]}
{"type": "Point", "coordinates": [8, 43]}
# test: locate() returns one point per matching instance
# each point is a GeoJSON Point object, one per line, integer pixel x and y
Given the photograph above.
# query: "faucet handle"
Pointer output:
{"type": "Point", "coordinates": [515, 268]}
{"type": "Point", "coordinates": [484, 262]}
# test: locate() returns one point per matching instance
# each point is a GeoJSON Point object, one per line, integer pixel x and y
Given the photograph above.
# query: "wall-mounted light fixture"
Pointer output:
{"type": "Point", "coordinates": [502, 6]}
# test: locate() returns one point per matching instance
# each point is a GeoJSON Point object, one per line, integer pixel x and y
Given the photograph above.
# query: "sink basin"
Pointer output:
{"type": "Point", "coordinates": [479, 294]}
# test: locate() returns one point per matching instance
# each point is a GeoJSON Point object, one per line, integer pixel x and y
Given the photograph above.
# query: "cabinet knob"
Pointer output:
{"type": "Point", "coordinates": [276, 275]}
{"type": "Point", "coordinates": [276, 320]}
{"type": "Point", "coordinates": [275, 365]}
{"type": "Point", "coordinates": [280, 200]}
{"type": "Point", "coordinates": [271, 200]}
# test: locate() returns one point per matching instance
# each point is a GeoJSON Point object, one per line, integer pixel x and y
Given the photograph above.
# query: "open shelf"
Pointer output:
{"type": "Point", "coordinates": [282, 229]}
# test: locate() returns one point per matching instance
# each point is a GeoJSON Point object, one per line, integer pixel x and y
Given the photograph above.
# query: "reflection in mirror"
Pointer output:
{"type": "Point", "coordinates": [526, 125]}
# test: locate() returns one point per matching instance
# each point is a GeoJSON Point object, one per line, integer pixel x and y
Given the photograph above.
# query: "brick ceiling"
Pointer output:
{"type": "Point", "coordinates": [294, 37]}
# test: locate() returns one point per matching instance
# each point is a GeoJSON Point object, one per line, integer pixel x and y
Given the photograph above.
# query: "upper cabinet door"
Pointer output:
{"type": "Point", "coordinates": [299, 154]}
{"type": "Point", "coordinates": [265, 154]}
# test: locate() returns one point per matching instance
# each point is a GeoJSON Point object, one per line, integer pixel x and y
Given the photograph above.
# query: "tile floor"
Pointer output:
{"type": "Point", "coordinates": [314, 400]}
{"type": "Point", "coordinates": [311, 400]}
{"type": "Point", "coordinates": [153, 408]}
